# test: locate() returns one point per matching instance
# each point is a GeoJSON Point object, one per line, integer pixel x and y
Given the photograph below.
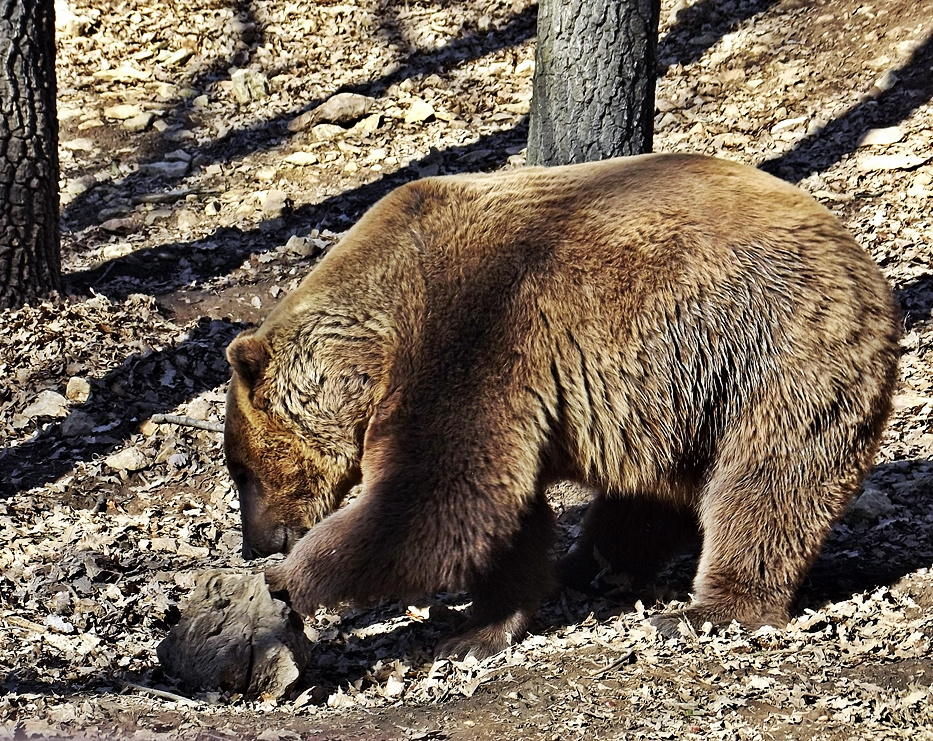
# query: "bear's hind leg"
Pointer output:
{"type": "Point", "coordinates": [633, 535]}
{"type": "Point", "coordinates": [762, 531]}
{"type": "Point", "coordinates": [507, 594]}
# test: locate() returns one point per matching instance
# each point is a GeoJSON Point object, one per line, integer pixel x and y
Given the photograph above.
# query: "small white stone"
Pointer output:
{"type": "Point", "coordinates": [78, 389]}
{"type": "Point", "coordinates": [301, 158]}
{"type": "Point", "coordinates": [121, 112]}
{"type": "Point", "coordinates": [325, 132]}
{"type": "Point", "coordinates": [178, 56]}
{"type": "Point", "coordinates": [59, 624]}
{"type": "Point", "coordinates": [139, 123]}
{"type": "Point", "coordinates": [113, 251]}
{"type": "Point", "coordinates": [47, 404]}
{"type": "Point", "coordinates": [129, 459]}
{"type": "Point", "coordinates": [80, 144]}
{"type": "Point", "coordinates": [368, 125]}
{"type": "Point", "coordinates": [419, 111]}
{"type": "Point", "coordinates": [882, 137]}
{"type": "Point", "coordinates": [892, 162]}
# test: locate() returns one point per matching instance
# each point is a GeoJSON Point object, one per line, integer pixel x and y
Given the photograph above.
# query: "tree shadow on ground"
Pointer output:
{"type": "Point", "coordinates": [864, 555]}
{"type": "Point", "coordinates": [198, 364]}
{"type": "Point", "coordinates": [915, 299]}
{"type": "Point", "coordinates": [701, 26]}
{"type": "Point", "coordinates": [273, 132]}
{"type": "Point", "coordinates": [822, 149]}
{"type": "Point", "coordinates": [336, 213]}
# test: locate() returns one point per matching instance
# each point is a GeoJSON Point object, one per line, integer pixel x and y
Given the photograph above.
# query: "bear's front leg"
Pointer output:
{"type": "Point", "coordinates": [357, 556]}
{"type": "Point", "coordinates": [506, 596]}
{"type": "Point", "coordinates": [347, 557]}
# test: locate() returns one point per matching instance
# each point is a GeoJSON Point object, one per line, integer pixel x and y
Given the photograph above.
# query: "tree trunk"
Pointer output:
{"type": "Point", "coordinates": [30, 245]}
{"type": "Point", "coordinates": [595, 69]}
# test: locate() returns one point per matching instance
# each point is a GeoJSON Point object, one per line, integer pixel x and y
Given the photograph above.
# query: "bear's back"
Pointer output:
{"type": "Point", "coordinates": [646, 301]}
{"type": "Point", "coordinates": [643, 302]}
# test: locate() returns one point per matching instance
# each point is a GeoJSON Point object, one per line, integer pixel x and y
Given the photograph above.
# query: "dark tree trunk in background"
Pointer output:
{"type": "Point", "coordinates": [30, 247]}
{"type": "Point", "coordinates": [595, 69]}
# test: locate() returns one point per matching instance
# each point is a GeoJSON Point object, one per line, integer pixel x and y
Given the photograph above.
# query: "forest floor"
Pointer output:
{"type": "Point", "coordinates": [190, 205]}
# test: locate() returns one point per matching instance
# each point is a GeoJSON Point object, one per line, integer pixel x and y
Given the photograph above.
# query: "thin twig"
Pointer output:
{"type": "Point", "coordinates": [623, 659]}
{"type": "Point", "coordinates": [160, 693]}
{"type": "Point", "coordinates": [178, 419]}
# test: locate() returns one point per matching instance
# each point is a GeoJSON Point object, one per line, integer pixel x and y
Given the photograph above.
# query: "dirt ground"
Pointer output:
{"type": "Point", "coordinates": [195, 193]}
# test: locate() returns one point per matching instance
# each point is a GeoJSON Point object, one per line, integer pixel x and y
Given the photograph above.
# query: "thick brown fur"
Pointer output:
{"type": "Point", "coordinates": [701, 343]}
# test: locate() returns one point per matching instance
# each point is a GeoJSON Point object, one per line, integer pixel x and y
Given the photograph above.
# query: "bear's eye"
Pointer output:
{"type": "Point", "coordinates": [239, 473]}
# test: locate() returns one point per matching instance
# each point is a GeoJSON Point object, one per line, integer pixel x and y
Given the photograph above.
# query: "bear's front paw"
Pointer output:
{"type": "Point", "coordinates": [693, 620]}
{"type": "Point", "coordinates": [284, 587]}
{"type": "Point", "coordinates": [277, 581]}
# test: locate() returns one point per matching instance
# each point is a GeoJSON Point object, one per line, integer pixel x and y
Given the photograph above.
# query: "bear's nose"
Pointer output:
{"type": "Point", "coordinates": [274, 539]}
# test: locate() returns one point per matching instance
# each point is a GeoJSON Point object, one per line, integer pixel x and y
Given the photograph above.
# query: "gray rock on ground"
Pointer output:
{"type": "Point", "coordinates": [235, 637]}
{"type": "Point", "coordinates": [342, 108]}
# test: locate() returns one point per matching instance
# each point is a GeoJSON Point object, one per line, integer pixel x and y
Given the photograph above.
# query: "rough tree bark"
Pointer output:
{"type": "Point", "coordinates": [30, 246]}
{"type": "Point", "coordinates": [595, 69]}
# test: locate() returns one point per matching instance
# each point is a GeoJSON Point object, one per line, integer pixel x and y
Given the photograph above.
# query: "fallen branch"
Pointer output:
{"type": "Point", "coordinates": [160, 693]}
{"type": "Point", "coordinates": [624, 659]}
{"type": "Point", "coordinates": [181, 420]}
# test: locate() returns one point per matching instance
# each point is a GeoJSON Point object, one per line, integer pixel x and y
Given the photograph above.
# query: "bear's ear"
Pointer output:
{"type": "Point", "coordinates": [249, 355]}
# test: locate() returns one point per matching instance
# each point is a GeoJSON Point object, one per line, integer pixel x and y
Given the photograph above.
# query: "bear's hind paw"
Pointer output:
{"type": "Point", "coordinates": [694, 620]}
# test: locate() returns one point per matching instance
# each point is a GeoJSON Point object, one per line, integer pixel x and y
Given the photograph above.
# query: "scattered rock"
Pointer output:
{"type": "Point", "coordinates": [888, 80]}
{"type": "Point", "coordinates": [47, 404]}
{"type": "Point", "coordinates": [178, 155]}
{"type": "Point", "coordinates": [419, 111]}
{"type": "Point", "coordinates": [179, 56]}
{"type": "Point", "coordinates": [128, 459]}
{"type": "Point", "coordinates": [158, 214]}
{"type": "Point", "coordinates": [120, 226]}
{"type": "Point", "coordinates": [871, 505]}
{"type": "Point", "coordinates": [249, 85]}
{"type": "Point", "coordinates": [123, 73]}
{"type": "Point", "coordinates": [882, 137]}
{"type": "Point", "coordinates": [343, 108]}
{"type": "Point", "coordinates": [140, 122]}
{"type": "Point", "coordinates": [276, 203]}
{"type": "Point", "coordinates": [122, 112]}
{"type": "Point", "coordinates": [81, 144]}
{"type": "Point", "coordinates": [326, 132]}
{"type": "Point", "coordinates": [78, 389]}
{"type": "Point", "coordinates": [114, 251]}
{"type": "Point", "coordinates": [893, 162]}
{"type": "Point", "coordinates": [166, 169]}
{"type": "Point", "coordinates": [302, 158]}
{"type": "Point", "coordinates": [234, 637]}
{"type": "Point", "coordinates": [367, 126]}
{"type": "Point", "coordinates": [302, 246]}
{"type": "Point", "coordinates": [77, 424]}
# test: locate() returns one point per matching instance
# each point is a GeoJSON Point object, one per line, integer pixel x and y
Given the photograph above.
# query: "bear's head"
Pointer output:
{"type": "Point", "coordinates": [287, 479]}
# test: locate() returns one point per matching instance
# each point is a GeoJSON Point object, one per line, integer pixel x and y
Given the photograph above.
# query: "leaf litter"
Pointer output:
{"type": "Point", "coordinates": [201, 181]}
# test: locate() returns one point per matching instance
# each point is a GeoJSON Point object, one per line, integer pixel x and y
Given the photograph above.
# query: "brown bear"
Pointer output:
{"type": "Point", "coordinates": [699, 342]}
